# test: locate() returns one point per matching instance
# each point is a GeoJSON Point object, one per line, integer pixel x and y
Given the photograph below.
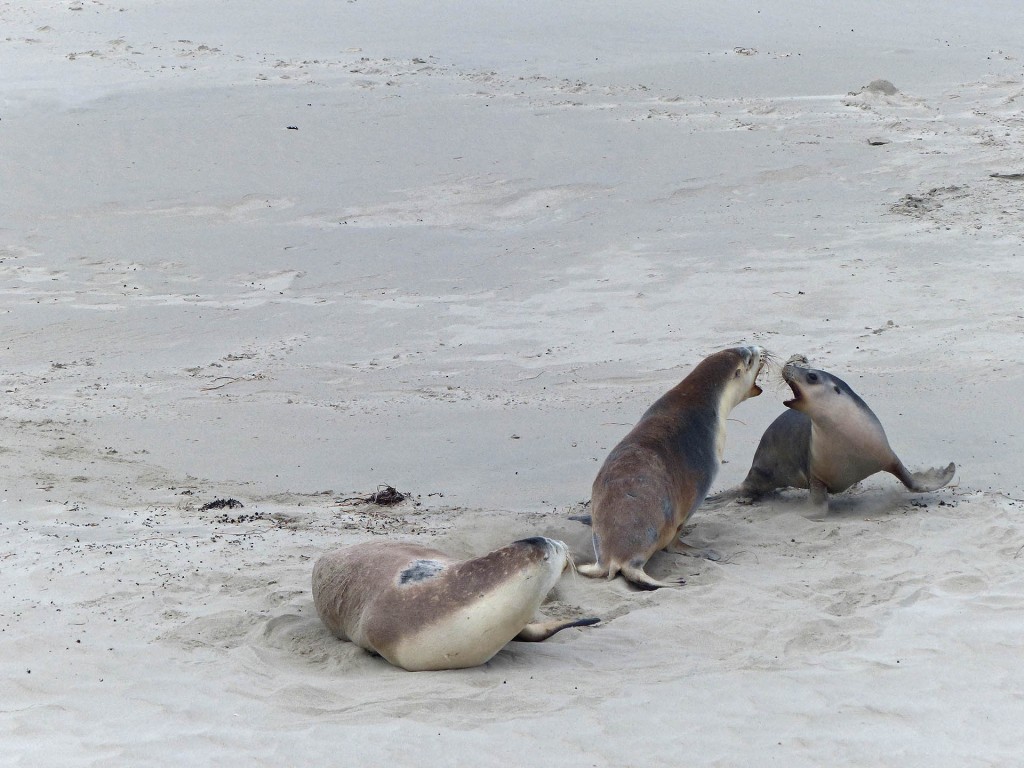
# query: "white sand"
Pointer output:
{"type": "Point", "coordinates": [493, 236]}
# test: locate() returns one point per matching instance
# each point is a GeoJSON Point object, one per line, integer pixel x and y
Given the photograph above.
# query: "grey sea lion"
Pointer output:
{"type": "Point", "coordinates": [660, 472]}
{"type": "Point", "coordinates": [423, 610]}
{"type": "Point", "coordinates": [828, 440]}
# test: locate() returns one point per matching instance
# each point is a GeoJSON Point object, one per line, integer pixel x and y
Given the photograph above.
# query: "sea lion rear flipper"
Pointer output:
{"type": "Point", "coordinates": [638, 578]}
{"type": "Point", "coordinates": [634, 575]}
{"type": "Point", "coordinates": [928, 480]}
{"type": "Point", "coordinates": [592, 570]}
{"type": "Point", "coordinates": [537, 631]}
{"type": "Point", "coordinates": [585, 519]}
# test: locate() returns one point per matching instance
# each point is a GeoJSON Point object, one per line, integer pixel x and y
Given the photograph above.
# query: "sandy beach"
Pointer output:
{"type": "Point", "coordinates": [288, 254]}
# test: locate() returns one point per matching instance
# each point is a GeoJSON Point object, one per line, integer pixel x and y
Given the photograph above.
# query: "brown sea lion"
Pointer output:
{"type": "Point", "coordinates": [654, 479]}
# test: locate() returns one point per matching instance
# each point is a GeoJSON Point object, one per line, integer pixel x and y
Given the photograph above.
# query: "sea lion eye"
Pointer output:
{"type": "Point", "coordinates": [837, 389]}
{"type": "Point", "coordinates": [737, 374]}
{"type": "Point", "coordinates": [812, 377]}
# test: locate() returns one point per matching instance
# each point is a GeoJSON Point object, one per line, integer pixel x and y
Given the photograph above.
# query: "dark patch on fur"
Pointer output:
{"type": "Point", "coordinates": [534, 541]}
{"type": "Point", "coordinates": [421, 570]}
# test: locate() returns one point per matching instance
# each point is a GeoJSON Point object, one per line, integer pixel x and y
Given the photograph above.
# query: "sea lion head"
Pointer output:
{"type": "Point", "coordinates": [552, 554]}
{"type": "Point", "coordinates": [816, 392]}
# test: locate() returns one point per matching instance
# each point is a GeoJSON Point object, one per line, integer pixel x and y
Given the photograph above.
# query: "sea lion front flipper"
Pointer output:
{"type": "Point", "coordinates": [682, 548]}
{"type": "Point", "coordinates": [739, 494]}
{"type": "Point", "coordinates": [928, 480]}
{"type": "Point", "coordinates": [537, 631]}
{"type": "Point", "coordinates": [585, 519]}
{"type": "Point", "coordinates": [726, 495]}
{"type": "Point", "coordinates": [819, 499]}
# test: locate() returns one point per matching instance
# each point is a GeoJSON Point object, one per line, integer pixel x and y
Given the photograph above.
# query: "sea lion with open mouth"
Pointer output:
{"type": "Point", "coordinates": [828, 440]}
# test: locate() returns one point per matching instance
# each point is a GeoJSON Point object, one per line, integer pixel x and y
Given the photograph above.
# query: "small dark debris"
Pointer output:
{"type": "Point", "coordinates": [293, 127]}
{"type": "Point", "coordinates": [226, 519]}
{"type": "Point", "coordinates": [385, 496]}
{"type": "Point", "coordinates": [221, 504]}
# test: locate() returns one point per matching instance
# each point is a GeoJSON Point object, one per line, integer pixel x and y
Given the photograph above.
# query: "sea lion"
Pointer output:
{"type": "Point", "coordinates": [423, 610]}
{"type": "Point", "coordinates": [654, 479]}
{"type": "Point", "coordinates": [827, 441]}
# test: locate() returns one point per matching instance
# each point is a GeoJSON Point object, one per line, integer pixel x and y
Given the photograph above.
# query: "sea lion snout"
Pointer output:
{"type": "Point", "coordinates": [797, 375]}
{"type": "Point", "coordinates": [754, 357]}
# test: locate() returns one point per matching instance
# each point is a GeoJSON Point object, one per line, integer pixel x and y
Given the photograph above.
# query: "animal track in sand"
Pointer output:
{"type": "Point", "coordinates": [248, 208]}
{"type": "Point", "coordinates": [272, 281]}
{"type": "Point", "coordinates": [27, 274]}
{"type": "Point", "coordinates": [470, 203]}
{"type": "Point", "coordinates": [224, 630]}
{"type": "Point", "coordinates": [989, 204]}
{"type": "Point", "coordinates": [302, 637]}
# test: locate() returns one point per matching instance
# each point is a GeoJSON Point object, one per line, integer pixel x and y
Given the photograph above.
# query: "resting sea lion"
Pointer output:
{"type": "Point", "coordinates": [421, 609]}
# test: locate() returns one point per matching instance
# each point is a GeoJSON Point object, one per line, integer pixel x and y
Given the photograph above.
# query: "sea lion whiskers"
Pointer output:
{"type": "Point", "coordinates": [770, 376]}
{"type": "Point", "coordinates": [771, 368]}
{"type": "Point", "coordinates": [770, 362]}
{"type": "Point", "coordinates": [774, 367]}
{"type": "Point", "coordinates": [570, 565]}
